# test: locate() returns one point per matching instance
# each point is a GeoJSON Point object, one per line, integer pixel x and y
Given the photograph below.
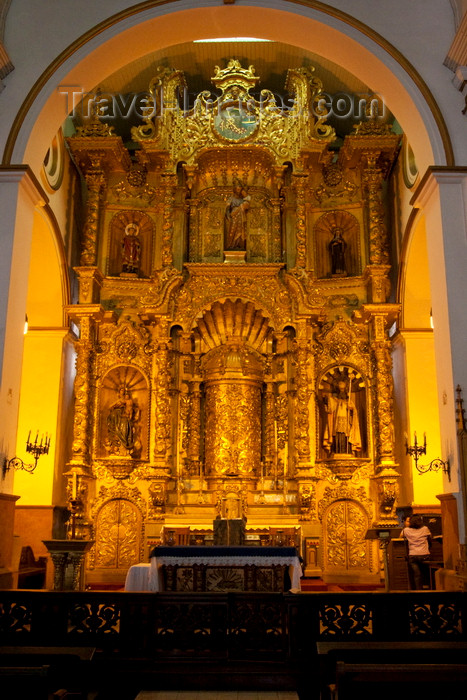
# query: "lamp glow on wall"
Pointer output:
{"type": "Point", "coordinates": [416, 450]}
{"type": "Point", "coordinates": [35, 448]}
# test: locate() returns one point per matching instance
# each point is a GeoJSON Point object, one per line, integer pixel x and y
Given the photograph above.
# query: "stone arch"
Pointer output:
{"type": "Point", "coordinates": [129, 34]}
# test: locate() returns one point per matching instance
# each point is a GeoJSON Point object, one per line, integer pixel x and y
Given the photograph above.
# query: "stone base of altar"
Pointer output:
{"type": "Point", "coordinates": [212, 578]}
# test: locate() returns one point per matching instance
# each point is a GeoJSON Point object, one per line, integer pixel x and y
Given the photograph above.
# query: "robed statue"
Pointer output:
{"type": "Point", "coordinates": [342, 429]}
{"type": "Point", "coordinates": [235, 219]}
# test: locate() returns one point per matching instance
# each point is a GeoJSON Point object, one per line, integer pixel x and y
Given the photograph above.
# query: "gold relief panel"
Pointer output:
{"type": "Point", "coordinates": [259, 284]}
{"type": "Point", "coordinates": [342, 342]}
{"type": "Point", "coordinates": [337, 186]}
{"type": "Point", "coordinates": [345, 548]}
{"type": "Point", "coordinates": [117, 526]}
{"type": "Point", "coordinates": [134, 188]}
{"type": "Point", "coordinates": [127, 342]}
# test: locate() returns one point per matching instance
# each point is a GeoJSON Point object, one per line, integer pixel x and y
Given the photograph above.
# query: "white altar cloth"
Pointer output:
{"type": "Point", "coordinates": [148, 577]}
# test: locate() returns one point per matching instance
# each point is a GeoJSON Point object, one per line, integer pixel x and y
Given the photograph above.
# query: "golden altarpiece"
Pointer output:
{"type": "Point", "coordinates": [233, 356]}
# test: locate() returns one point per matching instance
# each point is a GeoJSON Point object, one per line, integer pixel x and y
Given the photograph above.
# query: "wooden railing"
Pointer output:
{"type": "Point", "coordinates": [191, 623]}
{"type": "Point", "coordinates": [278, 629]}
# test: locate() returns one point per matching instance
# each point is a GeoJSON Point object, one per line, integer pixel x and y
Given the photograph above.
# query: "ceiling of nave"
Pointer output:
{"type": "Point", "coordinates": [271, 60]}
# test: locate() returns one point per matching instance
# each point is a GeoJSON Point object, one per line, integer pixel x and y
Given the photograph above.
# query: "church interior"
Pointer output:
{"type": "Point", "coordinates": [235, 243]}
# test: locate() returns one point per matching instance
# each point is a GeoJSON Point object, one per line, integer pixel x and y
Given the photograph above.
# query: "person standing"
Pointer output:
{"type": "Point", "coordinates": [418, 537]}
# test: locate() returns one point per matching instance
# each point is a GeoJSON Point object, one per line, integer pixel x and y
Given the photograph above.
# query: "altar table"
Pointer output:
{"type": "Point", "coordinates": [226, 565]}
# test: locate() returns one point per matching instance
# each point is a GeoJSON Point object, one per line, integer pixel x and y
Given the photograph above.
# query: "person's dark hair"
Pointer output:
{"type": "Point", "coordinates": [416, 521]}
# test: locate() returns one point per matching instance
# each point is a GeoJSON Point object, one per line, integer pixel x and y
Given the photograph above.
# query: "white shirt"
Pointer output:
{"type": "Point", "coordinates": [418, 540]}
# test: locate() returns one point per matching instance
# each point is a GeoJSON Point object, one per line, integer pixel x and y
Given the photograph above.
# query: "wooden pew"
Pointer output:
{"type": "Point", "coordinates": [403, 681]}
{"type": "Point", "coordinates": [45, 670]}
{"type": "Point", "coordinates": [366, 669]}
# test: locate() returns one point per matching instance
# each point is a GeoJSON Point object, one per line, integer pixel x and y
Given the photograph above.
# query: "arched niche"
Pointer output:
{"type": "Point", "coordinates": [130, 236]}
{"type": "Point", "coordinates": [342, 406]}
{"type": "Point", "coordinates": [336, 236]}
{"type": "Point", "coordinates": [123, 415]}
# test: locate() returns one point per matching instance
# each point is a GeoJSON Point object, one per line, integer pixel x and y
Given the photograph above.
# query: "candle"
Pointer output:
{"type": "Point", "coordinates": [74, 486]}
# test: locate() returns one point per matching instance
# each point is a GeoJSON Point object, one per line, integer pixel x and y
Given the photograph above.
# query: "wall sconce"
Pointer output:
{"type": "Point", "coordinates": [35, 448]}
{"type": "Point", "coordinates": [417, 450]}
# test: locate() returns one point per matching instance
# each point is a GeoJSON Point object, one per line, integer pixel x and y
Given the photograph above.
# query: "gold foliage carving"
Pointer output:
{"type": "Point", "coordinates": [234, 117]}
{"type": "Point", "coordinates": [134, 188]}
{"type": "Point", "coordinates": [345, 491]}
{"type": "Point", "coordinates": [163, 422]}
{"type": "Point", "coordinates": [116, 538]}
{"type": "Point", "coordinates": [307, 502]}
{"type": "Point", "coordinates": [258, 283]}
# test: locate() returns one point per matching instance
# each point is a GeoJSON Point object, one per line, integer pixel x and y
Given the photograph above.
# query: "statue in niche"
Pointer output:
{"type": "Point", "coordinates": [342, 430]}
{"type": "Point", "coordinates": [122, 425]}
{"type": "Point", "coordinates": [235, 218]}
{"type": "Point", "coordinates": [131, 249]}
{"type": "Point", "coordinates": [337, 247]}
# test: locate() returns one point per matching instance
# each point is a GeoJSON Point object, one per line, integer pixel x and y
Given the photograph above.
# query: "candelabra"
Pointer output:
{"type": "Point", "coordinates": [417, 450]}
{"type": "Point", "coordinates": [35, 448]}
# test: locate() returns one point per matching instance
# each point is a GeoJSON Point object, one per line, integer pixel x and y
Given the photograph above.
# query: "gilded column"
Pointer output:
{"type": "Point", "coordinates": [163, 413]}
{"type": "Point", "coordinates": [193, 234]}
{"type": "Point", "coordinates": [83, 391]}
{"type": "Point", "coordinates": [170, 184]}
{"type": "Point", "coordinates": [384, 402]}
{"type": "Point", "coordinates": [276, 231]}
{"type": "Point", "coordinates": [302, 398]}
{"type": "Point", "coordinates": [300, 182]}
{"type": "Point", "coordinates": [269, 424]}
{"type": "Point", "coordinates": [373, 181]}
{"type": "Point", "coordinates": [95, 181]}
{"type": "Point", "coordinates": [194, 427]}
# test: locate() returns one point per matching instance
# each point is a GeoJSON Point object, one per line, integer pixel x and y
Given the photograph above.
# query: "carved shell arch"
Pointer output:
{"type": "Point", "coordinates": [231, 319]}
{"type": "Point", "coordinates": [347, 372]}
